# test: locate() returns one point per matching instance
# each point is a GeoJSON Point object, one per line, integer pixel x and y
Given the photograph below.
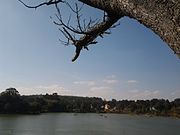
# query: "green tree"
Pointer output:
{"type": "Point", "coordinates": [11, 100]}
{"type": "Point", "coordinates": [10, 92]}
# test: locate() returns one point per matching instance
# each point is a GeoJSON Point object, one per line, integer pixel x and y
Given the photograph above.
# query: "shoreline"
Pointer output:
{"type": "Point", "coordinates": [100, 113]}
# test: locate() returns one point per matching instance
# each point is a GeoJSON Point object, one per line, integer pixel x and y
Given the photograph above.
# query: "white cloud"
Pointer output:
{"type": "Point", "coordinates": [110, 81]}
{"type": "Point", "coordinates": [144, 94]}
{"type": "Point", "coordinates": [132, 81]}
{"type": "Point", "coordinates": [111, 77]}
{"type": "Point", "coordinates": [89, 83]}
{"type": "Point", "coordinates": [175, 94]}
{"type": "Point", "coordinates": [42, 89]}
{"type": "Point", "coordinates": [101, 88]}
{"type": "Point", "coordinates": [101, 91]}
{"type": "Point", "coordinates": [134, 91]}
{"type": "Point", "coordinates": [156, 92]}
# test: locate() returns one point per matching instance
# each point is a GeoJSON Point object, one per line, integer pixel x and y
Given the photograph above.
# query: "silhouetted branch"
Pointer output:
{"type": "Point", "coordinates": [93, 33]}
{"type": "Point", "coordinates": [88, 32]}
{"type": "Point", "coordinates": [50, 2]}
{"type": "Point", "coordinates": [85, 31]}
{"type": "Point", "coordinates": [161, 16]}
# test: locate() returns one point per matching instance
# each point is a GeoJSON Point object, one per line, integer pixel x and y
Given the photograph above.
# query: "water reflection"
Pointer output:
{"type": "Point", "coordinates": [87, 124]}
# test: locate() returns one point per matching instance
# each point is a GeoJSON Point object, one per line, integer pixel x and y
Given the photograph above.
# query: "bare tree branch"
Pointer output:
{"type": "Point", "coordinates": [161, 16]}
{"type": "Point", "coordinates": [93, 33]}
{"type": "Point", "coordinates": [50, 2]}
{"type": "Point", "coordinates": [86, 31]}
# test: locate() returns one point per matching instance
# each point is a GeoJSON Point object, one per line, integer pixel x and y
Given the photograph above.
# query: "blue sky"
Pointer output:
{"type": "Point", "coordinates": [131, 63]}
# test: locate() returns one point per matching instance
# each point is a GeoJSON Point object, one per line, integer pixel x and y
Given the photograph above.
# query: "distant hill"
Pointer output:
{"type": "Point", "coordinates": [12, 102]}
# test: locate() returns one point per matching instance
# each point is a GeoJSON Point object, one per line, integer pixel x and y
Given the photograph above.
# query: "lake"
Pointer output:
{"type": "Point", "coordinates": [87, 124]}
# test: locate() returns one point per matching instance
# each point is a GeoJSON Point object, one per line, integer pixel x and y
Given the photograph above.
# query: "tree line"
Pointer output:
{"type": "Point", "coordinates": [11, 102]}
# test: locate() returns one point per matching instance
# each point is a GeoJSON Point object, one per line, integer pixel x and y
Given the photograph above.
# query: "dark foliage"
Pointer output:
{"type": "Point", "coordinates": [12, 102]}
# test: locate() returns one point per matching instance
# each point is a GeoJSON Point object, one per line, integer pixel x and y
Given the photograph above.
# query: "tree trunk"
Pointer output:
{"type": "Point", "coordinates": [161, 16]}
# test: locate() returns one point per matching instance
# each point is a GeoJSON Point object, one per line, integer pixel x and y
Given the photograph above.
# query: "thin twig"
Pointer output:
{"type": "Point", "coordinates": [50, 2]}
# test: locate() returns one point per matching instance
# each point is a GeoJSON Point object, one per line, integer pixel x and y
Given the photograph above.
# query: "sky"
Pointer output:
{"type": "Point", "coordinates": [131, 63]}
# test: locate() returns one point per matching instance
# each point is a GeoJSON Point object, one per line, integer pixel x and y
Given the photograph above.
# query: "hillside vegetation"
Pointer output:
{"type": "Point", "coordinates": [12, 102]}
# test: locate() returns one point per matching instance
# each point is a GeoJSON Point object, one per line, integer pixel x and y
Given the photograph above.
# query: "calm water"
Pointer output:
{"type": "Point", "coordinates": [87, 124]}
